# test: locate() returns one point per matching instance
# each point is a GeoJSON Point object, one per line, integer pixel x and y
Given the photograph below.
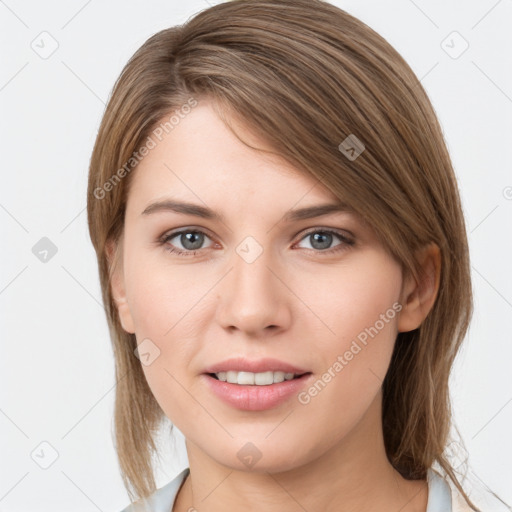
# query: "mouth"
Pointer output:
{"type": "Point", "coordinates": [260, 391]}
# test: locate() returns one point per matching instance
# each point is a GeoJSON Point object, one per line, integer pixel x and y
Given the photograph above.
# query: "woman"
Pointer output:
{"type": "Point", "coordinates": [284, 264]}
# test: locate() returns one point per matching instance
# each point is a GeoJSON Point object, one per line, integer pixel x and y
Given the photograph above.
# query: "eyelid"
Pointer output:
{"type": "Point", "coordinates": [340, 232]}
{"type": "Point", "coordinates": [186, 229]}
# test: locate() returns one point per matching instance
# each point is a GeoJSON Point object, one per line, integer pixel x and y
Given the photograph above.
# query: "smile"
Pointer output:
{"type": "Point", "coordinates": [246, 394]}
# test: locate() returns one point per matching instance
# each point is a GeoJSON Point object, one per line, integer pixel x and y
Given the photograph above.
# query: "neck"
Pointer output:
{"type": "Point", "coordinates": [354, 474]}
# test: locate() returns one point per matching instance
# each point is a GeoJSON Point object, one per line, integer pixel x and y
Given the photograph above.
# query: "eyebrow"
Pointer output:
{"type": "Point", "coordinates": [196, 210]}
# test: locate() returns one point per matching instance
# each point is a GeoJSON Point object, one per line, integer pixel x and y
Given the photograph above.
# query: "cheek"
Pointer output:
{"type": "Point", "coordinates": [162, 311]}
{"type": "Point", "coordinates": [352, 300]}
{"type": "Point", "coordinates": [361, 310]}
{"type": "Point", "coordinates": [160, 295]}
{"type": "Point", "coordinates": [169, 310]}
{"type": "Point", "coordinates": [371, 312]}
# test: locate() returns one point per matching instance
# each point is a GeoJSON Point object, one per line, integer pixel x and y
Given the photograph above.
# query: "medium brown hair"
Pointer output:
{"type": "Point", "coordinates": [303, 75]}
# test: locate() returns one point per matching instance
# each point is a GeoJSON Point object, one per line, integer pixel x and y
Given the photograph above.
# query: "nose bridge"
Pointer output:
{"type": "Point", "coordinates": [252, 298]}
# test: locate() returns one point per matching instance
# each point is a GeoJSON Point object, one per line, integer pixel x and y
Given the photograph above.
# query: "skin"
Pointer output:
{"type": "Point", "coordinates": [295, 302]}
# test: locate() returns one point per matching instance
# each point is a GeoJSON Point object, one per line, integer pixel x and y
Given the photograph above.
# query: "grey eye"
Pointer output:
{"type": "Point", "coordinates": [321, 240]}
{"type": "Point", "coordinates": [191, 240]}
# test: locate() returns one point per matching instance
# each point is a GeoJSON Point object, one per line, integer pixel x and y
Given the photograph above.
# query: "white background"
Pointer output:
{"type": "Point", "coordinates": [57, 377]}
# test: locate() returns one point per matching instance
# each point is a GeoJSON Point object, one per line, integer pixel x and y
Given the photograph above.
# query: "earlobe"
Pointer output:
{"type": "Point", "coordinates": [418, 297]}
{"type": "Point", "coordinates": [114, 257]}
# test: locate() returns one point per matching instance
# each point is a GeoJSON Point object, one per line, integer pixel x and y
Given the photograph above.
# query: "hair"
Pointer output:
{"type": "Point", "coordinates": [303, 75]}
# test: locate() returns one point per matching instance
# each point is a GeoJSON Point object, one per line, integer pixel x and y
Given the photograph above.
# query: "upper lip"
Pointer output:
{"type": "Point", "coordinates": [240, 364]}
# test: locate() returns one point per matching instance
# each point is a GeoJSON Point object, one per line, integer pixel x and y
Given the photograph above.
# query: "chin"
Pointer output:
{"type": "Point", "coordinates": [262, 456]}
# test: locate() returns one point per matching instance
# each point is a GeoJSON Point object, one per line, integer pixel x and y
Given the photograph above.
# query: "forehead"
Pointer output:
{"type": "Point", "coordinates": [201, 160]}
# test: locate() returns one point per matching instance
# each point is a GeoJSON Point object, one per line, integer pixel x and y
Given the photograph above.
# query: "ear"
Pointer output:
{"type": "Point", "coordinates": [418, 298]}
{"type": "Point", "coordinates": [113, 251]}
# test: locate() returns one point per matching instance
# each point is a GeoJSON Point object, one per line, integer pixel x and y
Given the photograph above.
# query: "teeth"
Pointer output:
{"type": "Point", "coordinates": [257, 379]}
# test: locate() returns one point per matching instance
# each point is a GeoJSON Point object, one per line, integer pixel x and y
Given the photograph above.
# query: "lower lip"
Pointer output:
{"type": "Point", "coordinates": [256, 398]}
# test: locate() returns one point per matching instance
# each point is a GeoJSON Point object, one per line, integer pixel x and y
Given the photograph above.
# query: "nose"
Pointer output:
{"type": "Point", "coordinates": [253, 298]}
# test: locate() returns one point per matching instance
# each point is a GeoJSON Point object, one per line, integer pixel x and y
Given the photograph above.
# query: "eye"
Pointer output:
{"type": "Point", "coordinates": [321, 240]}
{"type": "Point", "coordinates": [190, 240]}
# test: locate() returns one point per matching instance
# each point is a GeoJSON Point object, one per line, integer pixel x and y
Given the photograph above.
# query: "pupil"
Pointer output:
{"type": "Point", "coordinates": [191, 240]}
{"type": "Point", "coordinates": [327, 239]}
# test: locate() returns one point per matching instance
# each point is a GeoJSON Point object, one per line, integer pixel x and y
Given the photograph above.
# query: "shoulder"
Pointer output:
{"type": "Point", "coordinates": [443, 495]}
{"type": "Point", "coordinates": [439, 493]}
{"type": "Point", "coordinates": [162, 500]}
{"type": "Point", "coordinates": [478, 493]}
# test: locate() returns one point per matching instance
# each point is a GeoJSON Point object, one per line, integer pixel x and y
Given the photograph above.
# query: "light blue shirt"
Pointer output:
{"type": "Point", "coordinates": [162, 500]}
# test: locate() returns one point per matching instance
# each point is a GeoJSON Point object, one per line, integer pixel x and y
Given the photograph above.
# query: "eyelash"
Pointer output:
{"type": "Point", "coordinates": [346, 242]}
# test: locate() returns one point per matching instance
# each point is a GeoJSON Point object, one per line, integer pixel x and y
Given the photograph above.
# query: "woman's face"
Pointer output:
{"type": "Point", "coordinates": [243, 277]}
